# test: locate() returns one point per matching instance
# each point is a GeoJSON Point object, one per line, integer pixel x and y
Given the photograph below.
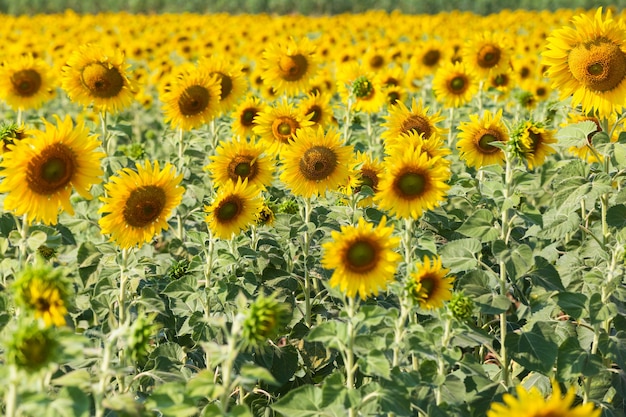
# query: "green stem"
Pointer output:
{"type": "Point", "coordinates": [105, 132]}
{"type": "Point", "coordinates": [122, 290]}
{"type": "Point", "coordinates": [105, 371]}
{"type": "Point", "coordinates": [508, 177]}
{"type": "Point", "coordinates": [406, 241]}
{"type": "Point", "coordinates": [346, 126]}
{"type": "Point", "coordinates": [441, 365]}
{"type": "Point", "coordinates": [349, 352]}
{"type": "Point", "coordinates": [604, 205]}
{"type": "Point", "coordinates": [208, 268]}
{"type": "Point", "coordinates": [10, 399]}
{"type": "Point", "coordinates": [181, 150]}
{"type": "Point", "coordinates": [227, 365]}
{"type": "Point", "coordinates": [307, 278]}
{"type": "Point", "coordinates": [450, 127]}
{"type": "Point", "coordinates": [400, 331]}
{"type": "Point", "coordinates": [23, 228]}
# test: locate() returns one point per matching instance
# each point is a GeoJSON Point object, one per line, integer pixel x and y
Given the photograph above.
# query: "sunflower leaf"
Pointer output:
{"type": "Point", "coordinates": [576, 134]}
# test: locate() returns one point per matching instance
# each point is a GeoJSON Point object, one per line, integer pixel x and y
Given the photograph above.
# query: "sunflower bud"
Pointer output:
{"type": "Point", "coordinates": [461, 306]}
{"type": "Point", "coordinates": [178, 269]}
{"type": "Point", "coordinates": [362, 87]}
{"type": "Point", "coordinates": [288, 207]}
{"type": "Point", "coordinates": [9, 134]}
{"type": "Point", "coordinates": [141, 332]}
{"type": "Point", "coordinates": [266, 215]}
{"type": "Point", "coordinates": [265, 318]}
{"type": "Point", "coordinates": [46, 252]}
{"type": "Point", "coordinates": [32, 346]}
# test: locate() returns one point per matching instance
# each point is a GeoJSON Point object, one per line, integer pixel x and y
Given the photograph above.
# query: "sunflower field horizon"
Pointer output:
{"type": "Point", "coordinates": [361, 214]}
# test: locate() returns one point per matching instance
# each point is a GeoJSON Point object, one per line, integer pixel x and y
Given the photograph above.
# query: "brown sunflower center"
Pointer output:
{"type": "Point", "coordinates": [195, 99]}
{"type": "Point", "coordinates": [431, 58]}
{"type": "Point", "coordinates": [428, 285]}
{"type": "Point", "coordinates": [410, 185]}
{"type": "Point", "coordinates": [377, 61]}
{"type": "Point", "coordinates": [316, 112]}
{"type": "Point", "coordinates": [26, 82]}
{"type": "Point", "coordinates": [228, 209]}
{"type": "Point", "coordinates": [41, 304]}
{"type": "Point", "coordinates": [418, 124]}
{"type": "Point", "coordinates": [458, 84]}
{"type": "Point", "coordinates": [318, 163]}
{"type": "Point", "coordinates": [242, 166]}
{"type": "Point", "coordinates": [102, 81]}
{"type": "Point", "coordinates": [283, 127]}
{"type": "Point", "coordinates": [51, 170]}
{"type": "Point", "coordinates": [489, 56]}
{"type": "Point", "coordinates": [536, 140]}
{"type": "Point", "coordinates": [144, 205]}
{"type": "Point", "coordinates": [227, 84]}
{"type": "Point", "coordinates": [293, 68]}
{"type": "Point", "coordinates": [362, 256]}
{"type": "Point", "coordinates": [501, 80]}
{"type": "Point", "coordinates": [485, 142]}
{"type": "Point", "coordinates": [600, 66]}
{"type": "Point", "coordinates": [369, 177]}
{"type": "Point", "coordinates": [247, 117]}
{"type": "Point", "coordinates": [393, 97]}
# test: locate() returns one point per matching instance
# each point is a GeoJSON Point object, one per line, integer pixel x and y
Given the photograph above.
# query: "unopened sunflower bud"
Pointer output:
{"type": "Point", "coordinates": [32, 346]}
{"type": "Point", "coordinates": [265, 318]}
{"type": "Point", "coordinates": [461, 306]}
{"type": "Point", "coordinates": [362, 87]}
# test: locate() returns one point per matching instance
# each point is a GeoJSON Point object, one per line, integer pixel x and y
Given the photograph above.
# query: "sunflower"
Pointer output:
{"type": "Point", "coordinates": [9, 134]}
{"type": "Point", "coordinates": [455, 84]}
{"type": "Point", "coordinates": [476, 137]}
{"type": "Point", "coordinates": [412, 182]}
{"type": "Point", "coordinates": [241, 159]}
{"type": "Point", "coordinates": [429, 285]}
{"type": "Point", "coordinates": [243, 116]}
{"type": "Point", "coordinates": [234, 209]}
{"type": "Point", "coordinates": [368, 174]}
{"type": "Point", "coordinates": [277, 124]}
{"type": "Point", "coordinates": [289, 66]}
{"type": "Point", "coordinates": [94, 75]}
{"type": "Point", "coordinates": [363, 258]}
{"type": "Point", "coordinates": [401, 120]}
{"type": "Point", "coordinates": [45, 292]}
{"type": "Point", "coordinates": [316, 107]}
{"type": "Point", "coordinates": [232, 81]}
{"type": "Point", "coordinates": [193, 99]}
{"type": "Point", "coordinates": [487, 52]}
{"type": "Point", "coordinates": [531, 142]}
{"type": "Point", "coordinates": [428, 56]}
{"type": "Point", "coordinates": [353, 83]}
{"type": "Point", "coordinates": [138, 203]}
{"type": "Point", "coordinates": [40, 171]}
{"type": "Point", "coordinates": [411, 141]}
{"type": "Point", "coordinates": [588, 62]}
{"type": "Point", "coordinates": [316, 162]}
{"type": "Point", "coordinates": [531, 403]}
{"type": "Point", "coordinates": [26, 82]}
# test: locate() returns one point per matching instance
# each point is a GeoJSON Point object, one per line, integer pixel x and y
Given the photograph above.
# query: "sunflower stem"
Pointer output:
{"type": "Point", "coordinates": [350, 365]}
{"type": "Point", "coordinates": [504, 235]}
{"type": "Point", "coordinates": [208, 268]}
{"type": "Point", "coordinates": [346, 125]}
{"type": "Point", "coordinates": [23, 228]}
{"type": "Point", "coordinates": [181, 150]}
{"type": "Point", "coordinates": [441, 365]}
{"type": "Point", "coordinates": [408, 234]}
{"type": "Point", "coordinates": [10, 398]}
{"type": "Point", "coordinates": [400, 331]}
{"type": "Point", "coordinates": [227, 365]}
{"type": "Point", "coordinates": [122, 293]}
{"type": "Point", "coordinates": [105, 132]}
{"type": "Point", "coordinates": [450, 126]}
{"type": "Point", "coordinates": [307, 279]}
{"type": "Point", "coordinates": [19, 116]}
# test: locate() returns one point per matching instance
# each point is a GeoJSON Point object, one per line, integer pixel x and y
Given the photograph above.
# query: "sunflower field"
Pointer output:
{"type": "Point", "coordinates": [373, 214]}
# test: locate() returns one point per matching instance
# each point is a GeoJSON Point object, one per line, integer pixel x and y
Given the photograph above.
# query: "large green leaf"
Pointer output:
{"type": "Point", "coordinates": [480, 225]}
{"type": "Point", "coordinates": [573, 361]}
{"type": "Point", "coordinates": [534, 349]}
{"type": "Point", "coordinates": [461, 255]}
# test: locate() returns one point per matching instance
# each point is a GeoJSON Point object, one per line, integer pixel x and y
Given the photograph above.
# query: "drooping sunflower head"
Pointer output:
{"type": "Point", "coordinates": [193, 99]}
{"type": "Point", "coordinates": [44, 292]}
{"type": "Point", "coordinates": [240, 160]}
{"type": "Point", "coordinates": [316, 162]}
{"type": "Point", "coordinates": [363, 258]}
{"type": "Point", "coordinates": [487, 52]}
{"type": "Point", "coordinates": [429, 286]}
{"type": "Point", "coordinates": [476, 140]}
{"type": "Point", "coordinates": [531, 142]}
{"type": "Point", "coordinates": [402, 120]}
{"type": "Point", "coordinates": [289, 66]}
{"type": "Point", "coordinates": [32, 347]}
{"type": "Point", "coordinates": [26, 82]}
{"type": "Point", "coordinates": [455, 84]}
{"type": "Point", "coordinates": [588, 62]}
{"type": "Point", "coordinates": [41, 171]}
{"type": "Point", "coordinates": [234, 209]}
{"type": "Point", "coordinates": [244, 114]}
{"type": "Point", "coordinates": [138, 203]}
{"type": "Point", "coordinates": [278, 124]}
{"type": "Point", "coordinates": [94, 75]}
{"type": "Point", "coordinates": [265, 318]}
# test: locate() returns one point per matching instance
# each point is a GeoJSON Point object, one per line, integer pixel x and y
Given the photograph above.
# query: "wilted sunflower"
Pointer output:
{"type": "Point", "coordinates": [487, 52]}
{"type": "Point", "coordinates": [138, 203]}
{"type": "Point", "coordinates": [40, 171]}
{"type": "Point", "coordinates": [45, 292]}
{"type": "Point", "coordinates": [26, 82]}
{"type": "Point", "coordinates": [233, 84]}
{"type": "Point", "coordinates": [476, 136]}
{"type": "Point", "coordinates": [243, 116]}
{"type": "Point", "coordinates": [588, 62]}
{"type": "Point", "coordinates": [363, 258]}
{"type": "Point", "coordinates": [368, 174]}
{"type": "Point", "coordinates": [276, 125]}
{"type": "Point", "coordinates": [316, 162]}
{"type": "Point", "coordinates": [412, 182]}
{"type": "Point", "coordinates": [316, 108]}
{"type": "Point", "coordinates": [240, 160]}
{"type": "Point", "coordinates": [234, 209]}
{"type": "Point", "coordinates": [401, 120]}
{"type": "Point", "coordinates": [531, 403]}
{"type": "Point", "coordinates": [193, 99]}
{"type": "Point", "coordinates": [429, 286]}
{"type": "Point", "coordinates": [289, 66]}
{"type": "Point", "coordinates": [94, 75]}
{"type": "Point", "coordinates": [455, 84]}
{"type": "Point", "coordinates": [531, 142]}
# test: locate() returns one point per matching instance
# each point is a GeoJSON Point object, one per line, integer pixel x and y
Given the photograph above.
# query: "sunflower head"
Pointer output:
{"type": "Point", "coordinates": [429, 286]}
{"type": "Point", "coordinates": [32, 347]}
{"type": "Point", "coordinates": [265, 318]}
{"type": "Point", "coordinates": [26, 82]}
{"type": "Point", "coordinates": [531, 141]}
{"type": "Point", "coordinates": [9, 134]}
{"type": "Point", "coordinates": [461, 306]}
{"type": "Point", "coordinates": [234, 209]}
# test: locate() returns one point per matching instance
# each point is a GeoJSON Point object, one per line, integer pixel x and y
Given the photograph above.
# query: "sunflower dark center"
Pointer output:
{"type": "Point", "coordinates": [500, 80]}
{"type": "Point", "coordinates": [458, 84]}
{"type": "Point", "coordinates": [428, 285]}
{"type": "Point", "coordinates": [284, 127]}
{"type": "Point", "coordinates": [417, 124]}
{"type": "Point", "coordinates": [361, 256]}
{"type": "Point", "coordinates": [102, 81]}
{"type": "Point", "coordinates": [293, 68]}
{"type": "Point", "coordinates": [393, 97]}
{"type": "Point", "coordinates": [318, 163]}
{"type": "Point", "coordinates": [227, 84]}
{"type": "Point", "coordinates": [410, 184]}
{"type": "Point", "coordinates": [369, 177]}
{"type": "Point", "coordinates": [247, 117]}
{"type": "Point", "coordinates": [144, 205]}
{"type": "Point", "coordinates": [431, 58]}
{"type": "Point", "coordinates": [316, 112]}
{"type": "Point", "coordinates": [489, 56]}
{"type": "Point", "coordinates": [193, 100]}
{"type": "Point", "coordinates": [228, 209]}
{"type": "Point", "coordinates": [242, 166]}
{"type": "Point", "coordinates": [536, 139]}
{"type": "Point", "coordinates": [42, 304]}
{"type": "Point", "coordinates": [51, 170]}
{"type": "Point", "coordinates": [377, 61]}
{"type": "Point", "coordinates": [600, 66]}
{"type": "Point", "coordinates": [26, 82]}
{"type": "Point", "coordinates": [485, 142]}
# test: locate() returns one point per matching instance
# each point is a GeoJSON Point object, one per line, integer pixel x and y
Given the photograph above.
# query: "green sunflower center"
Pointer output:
{"type": "Point", "coordinates": [318, 163]}
{"type": "Point", "coordinates": [242, 166]}
{"type": "Point", "coordinates": [229, 209]}
{"type": "Point", "coordinates": [362, 87]}
{"type": "Point", "coordinates": [485, 142]}
{"type": "Point", "coordinates": [293, 68]}
{"type": "Point", "coordinates": [51, 170]}
{"type": "Point", "coordinates": [362, 255]}
{"type": "Point", "coordinates": [26, 82]}
{"type": "Point", "coordinates": [600, 66]}
{"type": "Point", "coordinates": [458, 84]}
{"type": "Point", "coordinates": [144, 205]}
{"type": "Point", "coordinates": [411, 184]}
{"type": "Point", "coordinates": [488, 56]}
{"type": "Point", "coordinates": [283, 127]}
{"type": "Point", "coordinates": [194, 100]}
{"type": "Point", "coordinates": [102, 81]}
